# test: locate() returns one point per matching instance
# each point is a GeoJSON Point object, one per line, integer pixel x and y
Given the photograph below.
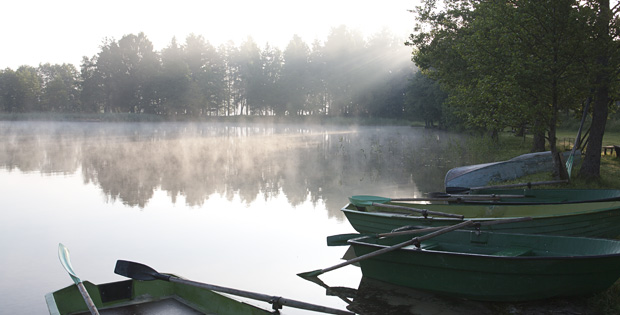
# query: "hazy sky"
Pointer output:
{"type": "Point", "coordinates": [62, 31]}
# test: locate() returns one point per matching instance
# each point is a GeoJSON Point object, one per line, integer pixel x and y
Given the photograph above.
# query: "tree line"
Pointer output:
{"type": "Point", "coordinates": [347, 75]}
{"type": "Point", "coordinates": [491, 65]}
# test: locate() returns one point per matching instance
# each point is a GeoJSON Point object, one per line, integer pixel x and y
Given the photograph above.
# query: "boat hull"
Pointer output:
{"type": "Point", "coordinates": [479, 266]}
{"type": "Point", "coordinates": [147, 297]}
{"type": "Point", "coordinates": [482, 174]}
{"type": "Point", "coordinates": [596, 219]}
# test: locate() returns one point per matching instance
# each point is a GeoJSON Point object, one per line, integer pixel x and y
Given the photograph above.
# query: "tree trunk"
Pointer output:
{"type": "Point", "coordinates": [591, 167]}
{"type": "Point", "coordinates": [538, 144]}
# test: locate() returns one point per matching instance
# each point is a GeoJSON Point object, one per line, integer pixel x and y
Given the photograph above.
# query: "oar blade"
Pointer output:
{"type": "Point", "coordinates": [65, 260]}
{"type": "Point", "coordinates": [364, 200]}
{"type": "Point", "coordinates": [311, 274]}
{"type": "Point", "coordinates": [137, 271]}
{"type": "Point", "coordinates": [341, 239]}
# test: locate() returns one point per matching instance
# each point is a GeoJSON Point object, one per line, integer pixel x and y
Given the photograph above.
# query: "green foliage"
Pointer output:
{"type": "Point", "coordinates": [425, 100]}
{"type": "Point", "coordinates": [348, 75]}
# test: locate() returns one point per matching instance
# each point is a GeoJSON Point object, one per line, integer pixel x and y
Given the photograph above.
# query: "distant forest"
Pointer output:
{"type": "Point", "coordinates": [347, 75]}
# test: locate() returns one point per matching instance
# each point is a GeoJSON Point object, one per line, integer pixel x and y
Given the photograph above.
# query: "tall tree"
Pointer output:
{"type": "Point", "coordinates": [342, 55]}
{"type": "Point", "coordinates": [250, 70]}
{"type": "Point", "coordinates": [606, 61]}
{"type": "Point", "coordinates": [296, 77]}
{"type": "Point", "coordinates": [61, 90]}
{"type": "Point", "coordinates": [174, 81]}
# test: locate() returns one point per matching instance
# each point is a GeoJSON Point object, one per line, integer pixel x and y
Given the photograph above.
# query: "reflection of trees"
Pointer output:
{"type": "Point", "coordinates": [129, 162]}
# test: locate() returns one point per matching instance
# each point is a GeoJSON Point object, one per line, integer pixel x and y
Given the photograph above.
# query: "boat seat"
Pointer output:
{"type": "Point", "coordinates": [513, 251]}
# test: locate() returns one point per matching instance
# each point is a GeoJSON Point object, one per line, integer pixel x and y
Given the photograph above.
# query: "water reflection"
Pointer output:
{"type": "Point", "coordinates": [129, 162]}
{"type": "Point", "coordinates": [374, 297]}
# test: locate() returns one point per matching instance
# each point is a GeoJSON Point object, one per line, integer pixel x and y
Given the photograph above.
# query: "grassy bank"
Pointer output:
{"type": "Point", "coordinates": [483, 150]}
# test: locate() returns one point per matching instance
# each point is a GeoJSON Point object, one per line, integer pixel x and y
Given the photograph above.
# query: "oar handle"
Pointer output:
{"type": "Point", "coordinates": [276, 300]}
{"type": "Point", "coordinates": [422, 211]}
{"type": "Point", "coordinates": [87, 299]}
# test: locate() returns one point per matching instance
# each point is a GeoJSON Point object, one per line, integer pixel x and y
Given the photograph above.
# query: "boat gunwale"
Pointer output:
{"type": "Point", "coordinates": [490, 218]}
{"type": "Point", "coordinates": [358, 241]}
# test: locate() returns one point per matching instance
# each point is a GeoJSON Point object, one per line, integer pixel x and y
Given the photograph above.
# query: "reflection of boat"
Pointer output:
{"type": "Point", "coordinates": [534, 196]}
{"type": "Point", "coordinates": [147, 297]}
{"type": "Point", "coordinates": [482, 174]}
{"type": "Point", "coordinates": [495, 266]}
{"type": "Point", "coordinates": [596, 219]}
{"type": "Point", "coordinates": [374, 297]}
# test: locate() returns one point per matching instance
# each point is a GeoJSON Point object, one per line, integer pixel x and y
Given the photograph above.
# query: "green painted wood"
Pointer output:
{"type": "Point", "coordinates": [143, 293]}
{"type": "Point", "coordinates": [496, 266]}
{"type": "Point", "coordinates": [595, 219]}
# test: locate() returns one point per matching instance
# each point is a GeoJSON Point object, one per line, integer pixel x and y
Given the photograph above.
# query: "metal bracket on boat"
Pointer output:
{"type": "Point", "coordinates": [417, 243]}
{"type": "Point", "coordinates": [275, 304]}
{"type": "Point", "coordinates": [477, 228]}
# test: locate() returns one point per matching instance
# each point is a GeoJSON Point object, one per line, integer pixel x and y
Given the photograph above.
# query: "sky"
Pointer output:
{"type": "Point", "coordinates": [63, 31]}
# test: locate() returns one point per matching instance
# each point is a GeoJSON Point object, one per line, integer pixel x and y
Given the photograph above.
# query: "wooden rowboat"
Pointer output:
{"type": "Point", "coordinates": [493, 266]}
{"type": "Point", "coordinates": [594, 219]}
{"type": "Point", "coordinates": [146, 297]}
{"type": "Point", "coordinates": [483, 174]}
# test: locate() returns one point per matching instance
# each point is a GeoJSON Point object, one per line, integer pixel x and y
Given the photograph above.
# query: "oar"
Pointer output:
{"type": "Point", "coordinates": [63, 255]}
{"type": "Point", "coordinates": [439, 195]}
{"type": "Point", "coordinates": [415, 240]}
{"type": "Point", "coordinates": [342, 239]}
{"type": "Point", "coordinates": [569, 162]}
{"type": "Point", "coordinates": [368, 201]}
{"type": "Point", "coordinates": [453, 190]}
{"type": "Point", "coordinates": [139, 271]}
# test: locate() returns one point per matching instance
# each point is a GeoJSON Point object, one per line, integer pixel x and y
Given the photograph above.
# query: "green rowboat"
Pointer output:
{"type": "Point", "coordinates": [495, 266]}
{"type": "Point", "coordinates": [594, 219]}
{"type": "Point", "coordinates": [535, 196]}
{"type": "Point", "coordinates": [146, 297]}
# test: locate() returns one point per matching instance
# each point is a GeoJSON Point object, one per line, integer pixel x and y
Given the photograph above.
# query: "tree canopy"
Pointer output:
{"type": "Point", "coordinates": [347, 75]}
{"type": "Point", "coordinates": [520, 63]}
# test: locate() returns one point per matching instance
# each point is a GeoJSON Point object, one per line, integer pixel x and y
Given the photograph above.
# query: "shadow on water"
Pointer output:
{"type": "Point", "coordinates": [129, 162]}
{"type": "Point", "coordinates": [374, 297]}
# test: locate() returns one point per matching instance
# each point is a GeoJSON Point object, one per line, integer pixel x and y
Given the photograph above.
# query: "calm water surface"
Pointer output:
{"type": "Point", "coordinates": [242, 206]}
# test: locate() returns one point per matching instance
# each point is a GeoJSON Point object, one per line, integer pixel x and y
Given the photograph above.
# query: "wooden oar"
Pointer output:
{"type": "Point", "coordinates": [449, 197]}
{"type": "Point", "coordinates": [433, 196]}
{"type": "Point", "coordinates": [365, 201]}
{"type": "Point", "coordinates": [415, 240]}
{"type": "Point", "coordinates": [342, 239]}
{"type": "Point", "coordinates": [453, 190]}
{"type": "Point", "coordinates": [142, 272]}
{"type": "Point", "coordinates": [63, 255]}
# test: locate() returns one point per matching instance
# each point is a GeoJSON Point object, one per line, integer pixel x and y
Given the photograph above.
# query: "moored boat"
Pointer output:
{"type": "Point", "coordinates": [483, 174]}
{"type": "Point", "coordinates": [146, 297]}
{"type": "Point", "coordinates": [594, 219]}
{"type": "Point", "coordinates": [494, 266]}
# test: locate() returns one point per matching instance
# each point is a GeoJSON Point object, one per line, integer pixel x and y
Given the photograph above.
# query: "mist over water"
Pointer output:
{"type": "Point", "coordinates": [246, 206]}
{"type": "Point", "coordinates": [129, 162]}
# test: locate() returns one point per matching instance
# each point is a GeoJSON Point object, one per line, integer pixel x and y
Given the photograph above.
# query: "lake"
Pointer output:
{"type": "Point", "coordinates": [246, 206]}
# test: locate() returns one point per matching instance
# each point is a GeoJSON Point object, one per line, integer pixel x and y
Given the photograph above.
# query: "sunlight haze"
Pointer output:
{"type": "Point", "coordinates": [57, 32]}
